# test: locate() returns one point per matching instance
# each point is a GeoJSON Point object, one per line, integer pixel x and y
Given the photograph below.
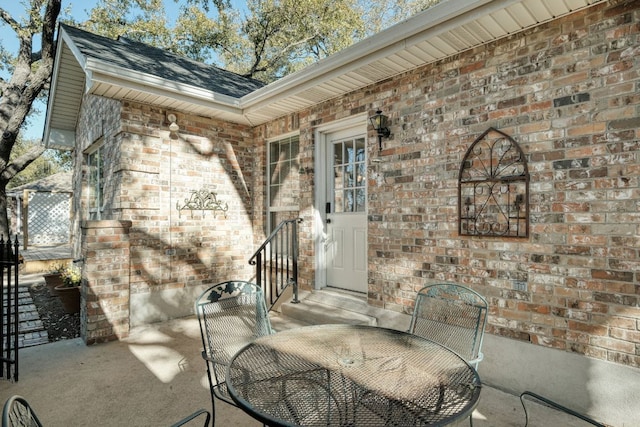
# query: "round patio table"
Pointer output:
{"type": "Point", "coordinates": [351, 375]}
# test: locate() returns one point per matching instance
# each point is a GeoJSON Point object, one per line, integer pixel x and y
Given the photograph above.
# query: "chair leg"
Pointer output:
{"type": "Point", "coordinates": [193, 416]}
{"type": "Point", "coordinates": [213, 409]}
{"type": "Point", "coordinates": [556, 406]}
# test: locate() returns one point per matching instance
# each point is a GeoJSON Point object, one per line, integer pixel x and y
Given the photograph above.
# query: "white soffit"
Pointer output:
{"type": "Point", "coordinates": [446, 29]}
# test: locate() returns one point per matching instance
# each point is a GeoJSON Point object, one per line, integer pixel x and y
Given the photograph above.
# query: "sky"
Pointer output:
{"type": "Point", "coordinates": [79, 10]}
{"type": "Point", "coordinates": [34, 129]}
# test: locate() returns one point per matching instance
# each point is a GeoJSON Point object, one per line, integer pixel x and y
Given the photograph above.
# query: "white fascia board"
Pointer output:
{"type": "Point", "coordinates": [73, 48]}
{"type": "Point", "coordinates": [98, 71]}
{"type": "Point", "coordinates": [52, 93]}
{"type": "Point", "coordinates": [370, 49]}
{"type": "Point", "coordinates": [443, 17]}
{"type": "Point", "coordinates": [47, 120]}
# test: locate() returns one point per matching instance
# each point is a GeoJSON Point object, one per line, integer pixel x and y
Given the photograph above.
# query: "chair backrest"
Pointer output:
{"type": "Point", "coordinates": [451, 315]}
{"type": "Point", "coordinates": [231, 314]}
{"type": "Point", "coordinates": [18, 412]}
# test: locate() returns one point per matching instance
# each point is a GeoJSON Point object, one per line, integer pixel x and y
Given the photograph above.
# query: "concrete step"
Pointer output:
{"type": "Point", "coordinates": [279, 322]}
{"type": "Point", "coordinates": [328, 306]}
{"type": "Point", "coordinates": [349, 301]}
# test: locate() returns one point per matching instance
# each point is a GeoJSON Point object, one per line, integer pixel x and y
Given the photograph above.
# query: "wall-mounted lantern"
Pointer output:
{"type": "Point", "coordinates": [380, 124]}
{"type": "Point", "coordinates": [173, 127]}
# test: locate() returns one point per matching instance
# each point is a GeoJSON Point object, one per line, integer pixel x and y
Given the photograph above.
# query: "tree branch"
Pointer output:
{"type": "Point", "coordinates": [48, 29]}
{"type": "Point", "coordinates": [21, 162]}
{"type": "Point", "coordinates": [6, 17]}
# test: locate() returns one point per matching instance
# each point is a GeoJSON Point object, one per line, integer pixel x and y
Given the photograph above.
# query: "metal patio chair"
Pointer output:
{"type": "Point", "coordinates": [231, 314]}
{"type": "Point", "coordinates": [550, 403]}
{"type": "Point", "coordinates": [18, 412]}
{"type": "Point", "coordinates": [454, 316]}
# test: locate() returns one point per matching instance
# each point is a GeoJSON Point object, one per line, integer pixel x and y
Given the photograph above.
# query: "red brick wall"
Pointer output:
{"type": "Point", "coordinates": [567, 92]}
{"type": "Point", "coordinates": [105, 291]}
{"type": "Point", "coordinates": [150, 171]}
{"type": "Point", "coordinates": [174, 248]}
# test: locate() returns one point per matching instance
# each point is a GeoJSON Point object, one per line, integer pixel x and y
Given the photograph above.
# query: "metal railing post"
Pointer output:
{"type": "Point", "coordinates": [294, 244]}
{"type": "Point", "coordinates": [282, 268]}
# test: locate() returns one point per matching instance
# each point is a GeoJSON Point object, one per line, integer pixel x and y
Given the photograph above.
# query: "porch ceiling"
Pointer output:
{"type": "Point", "coordinates": [447, 29]}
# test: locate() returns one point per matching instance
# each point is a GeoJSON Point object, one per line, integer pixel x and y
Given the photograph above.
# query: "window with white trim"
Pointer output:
{"type": "Point", "coordinates": [95, 163]}
{"type": "Point", "coordinates": [283, 181]}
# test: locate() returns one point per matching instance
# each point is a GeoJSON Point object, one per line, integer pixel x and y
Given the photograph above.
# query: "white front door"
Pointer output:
{"type": "Point", "coordinates": [345, 209]}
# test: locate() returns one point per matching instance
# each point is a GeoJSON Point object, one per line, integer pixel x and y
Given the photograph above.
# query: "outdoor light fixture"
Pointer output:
{"type": "Point", "coordinates": [379, 122]}
{"type": "Point", "coordinates": [173, 127]}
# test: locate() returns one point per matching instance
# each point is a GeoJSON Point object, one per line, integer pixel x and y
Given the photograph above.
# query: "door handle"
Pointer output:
{"type": "Point", "coordinates": [328, 220]}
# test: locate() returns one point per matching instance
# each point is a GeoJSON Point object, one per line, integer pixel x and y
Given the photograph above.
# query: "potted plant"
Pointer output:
{"type": "Point", "coordinates": [54, 277]}
{"type": "Point", "coordinates": [69, 290]}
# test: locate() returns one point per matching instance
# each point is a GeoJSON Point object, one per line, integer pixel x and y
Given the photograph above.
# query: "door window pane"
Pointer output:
{"type": "Point", "coordinates": [349, 187]}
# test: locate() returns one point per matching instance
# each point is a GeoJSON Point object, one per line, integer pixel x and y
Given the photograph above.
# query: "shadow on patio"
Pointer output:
{"type": "Point", "coordinates": [156, 377]}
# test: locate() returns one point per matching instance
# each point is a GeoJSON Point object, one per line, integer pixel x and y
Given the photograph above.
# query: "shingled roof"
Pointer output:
{"type": "Point", "coordinates": [126, 70]}
{"type": "Point", "coordinates": [57, 183]}
{"type": "Point", "coordinates": [144, 58]}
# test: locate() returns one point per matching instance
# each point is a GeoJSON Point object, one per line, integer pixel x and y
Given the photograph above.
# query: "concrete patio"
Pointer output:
{"type": "Point", "coordinates": [156, 377]}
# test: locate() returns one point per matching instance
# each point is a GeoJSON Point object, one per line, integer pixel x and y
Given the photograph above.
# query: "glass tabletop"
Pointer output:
{"type": "Point", "coordinates": [351, 375]}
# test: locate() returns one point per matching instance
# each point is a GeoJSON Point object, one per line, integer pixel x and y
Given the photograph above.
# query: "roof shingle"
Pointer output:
{"type": "Point", "coordinates": [137, 56]}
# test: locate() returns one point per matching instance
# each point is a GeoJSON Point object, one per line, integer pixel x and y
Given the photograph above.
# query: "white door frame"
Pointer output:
{"type": "Point", "coordinates": [320, 194]}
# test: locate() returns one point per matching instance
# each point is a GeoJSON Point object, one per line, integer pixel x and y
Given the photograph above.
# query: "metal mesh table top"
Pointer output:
{"type": "Point", "coordinates": [347, 375]}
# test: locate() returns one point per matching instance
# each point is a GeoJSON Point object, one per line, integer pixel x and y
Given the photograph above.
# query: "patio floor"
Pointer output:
{"type": "Point", "coordinates": [156, 377]}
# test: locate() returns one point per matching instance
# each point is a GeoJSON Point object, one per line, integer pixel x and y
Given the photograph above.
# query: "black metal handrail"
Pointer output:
{"type": "Point", "coordinates": [276, 261]}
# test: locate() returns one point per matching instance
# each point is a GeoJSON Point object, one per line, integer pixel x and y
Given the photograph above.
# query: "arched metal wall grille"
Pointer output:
{"type": "Point", "coordinates": [493, 188]}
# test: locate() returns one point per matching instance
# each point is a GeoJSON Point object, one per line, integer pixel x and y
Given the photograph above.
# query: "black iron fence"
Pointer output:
{"type": "Point", "coordinates": [9, 314]}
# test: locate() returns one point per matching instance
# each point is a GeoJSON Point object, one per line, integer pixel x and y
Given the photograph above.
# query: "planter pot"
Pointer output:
{"type": "Point", "coordinates": [70, 298]}
{"type": "Point", "coordinates": [52, 280]}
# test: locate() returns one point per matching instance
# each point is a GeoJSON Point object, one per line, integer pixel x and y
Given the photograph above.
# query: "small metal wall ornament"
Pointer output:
{"type": "Point", "coordinates": [203, 200]}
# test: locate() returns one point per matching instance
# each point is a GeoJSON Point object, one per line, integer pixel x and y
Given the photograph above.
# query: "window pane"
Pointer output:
{"type": "Point", "coordinates": [338, 155]}
{"type": "Point", "coordinates": [338, 176]}
{"type": "Point", "coordinates": [361, 198]}
{"type": "Point", "coordinates": [360, 150]}
{"type": "Point", "coordinates": [349, 202]}
{"type": "Point", "coordinates": [338, 202]}
{"type": "Point", "coordinates": [283, 180]}
{"type": "Point", "coordinates": [95, 162]}
{"type": "Point", "coordinates": [349, 175]}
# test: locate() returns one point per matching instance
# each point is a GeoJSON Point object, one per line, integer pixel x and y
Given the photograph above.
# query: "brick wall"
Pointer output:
{"type": "Point", "coordinates": [567, 93]}
{"type": "Point", "coordinates": [173, 249]}
{"type": "Point", "coordinates": [105, 291]}
{"type": "Point", "coordinates": [150, 172]}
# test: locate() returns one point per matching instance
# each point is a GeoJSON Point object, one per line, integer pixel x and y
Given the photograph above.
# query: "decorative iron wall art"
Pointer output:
{"type": "Point", "coordinates": [493, 188]}
{"type": "Point", "coordinates": [203, 200]}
